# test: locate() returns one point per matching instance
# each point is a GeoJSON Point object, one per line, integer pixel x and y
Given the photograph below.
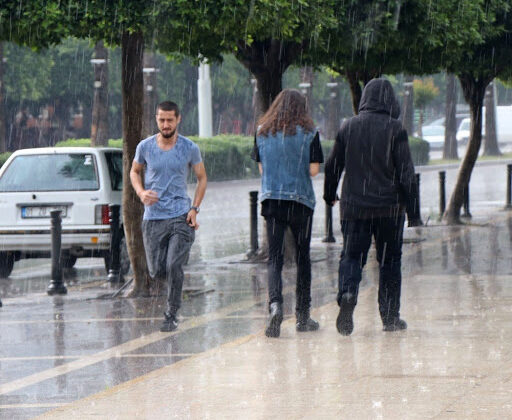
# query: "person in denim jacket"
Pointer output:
{"type": "Point", "coordinates": [287, 149]}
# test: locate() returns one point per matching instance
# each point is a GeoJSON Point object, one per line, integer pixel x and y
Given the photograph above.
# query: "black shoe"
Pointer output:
{"type": "Point", "coordinates": [344, 322]}
{"type": "Point", "coordinates": [274, 321]}
{"type": "Point", "coordinates": [170, 323]}
{"type": "Point", "coordinates": [395, 325]}
{"type": "Point", "coordinates": [305, 323]}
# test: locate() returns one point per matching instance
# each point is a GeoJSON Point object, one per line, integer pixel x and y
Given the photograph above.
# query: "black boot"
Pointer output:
{"type": "Point", "coordinates": [274, 320]}
{"type": "Point", "coordinates": [344, 322]}
{"type": "Point", "coordinates": [396, 324]}
{"type": "Point", "coordinates": [170, 323]}
{"type": "Point", "coordinates": [305, 323]}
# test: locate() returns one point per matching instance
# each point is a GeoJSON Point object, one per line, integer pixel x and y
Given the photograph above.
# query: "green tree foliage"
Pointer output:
{"type": "Point", "coordinates": [376, 37]}
{"type": "Point", "coordinates": [392, 36]}
{"type": "Point", "coordinates": [34, 23]}
{"type": "Point", "coordinates": [424, 92]}
{"type": "Point", "coordinates": [265, 36]}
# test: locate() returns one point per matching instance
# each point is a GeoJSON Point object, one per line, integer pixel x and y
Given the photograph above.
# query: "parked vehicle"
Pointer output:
{"type": "Point", "coordinates": [79, 181]}
{"type": "Point", "coordinates": [434, 135]}
{"type": "Point", "coordinates": [441, 121]}
{"type": "Point", "coordinates": [503, 126]}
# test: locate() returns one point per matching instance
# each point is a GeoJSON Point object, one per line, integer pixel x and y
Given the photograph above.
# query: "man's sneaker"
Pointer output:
{"type": "Point", "coordinates": [274, 321]}
{"type": "Point", "coordinates": [344, 322]}
{"type": "Point", "coordinates": [396, 325]}
{"type": "Point", "coordinates": [170, 323]}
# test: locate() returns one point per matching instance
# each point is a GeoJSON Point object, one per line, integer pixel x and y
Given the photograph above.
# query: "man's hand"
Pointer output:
{"type": "Point", "coordinates": [332, 203]}
{"type": "Point", "coordinates": [191, 219]}
{"type": "Point", "coordinates": [148, 197]}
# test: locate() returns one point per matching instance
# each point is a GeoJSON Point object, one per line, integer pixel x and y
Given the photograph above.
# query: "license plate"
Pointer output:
{"type": "Point", "coordinates": [37, 212]}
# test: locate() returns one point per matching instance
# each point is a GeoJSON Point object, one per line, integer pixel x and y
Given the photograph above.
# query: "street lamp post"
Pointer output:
{"type": "Point", "coordinates": [99, 124]}
{"type": "Point", "coordinates": [204, 101]}
{"type": "Point", "coordinates": [334, 111]}
{"type": "Point", "coordinates": [150, 94]}
{"type": "Point", "coordinates": [408, 106]}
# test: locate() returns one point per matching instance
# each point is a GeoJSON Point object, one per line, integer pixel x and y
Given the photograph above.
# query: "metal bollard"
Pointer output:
{"type": "Point", "coordinates": [329, 236]}
{"type": "Point", "coordinates": [508, 205]}
{"type": "Point", "coordinates": [466, 212]}
{"type": "Point", "coordinates": [253, 199]}
{"type": "Point", "coordinates": [56, 286]}
{"type": "Point", "coordinates": [442, 193]}
{"type": "Point", "coordinates": [114, 272]}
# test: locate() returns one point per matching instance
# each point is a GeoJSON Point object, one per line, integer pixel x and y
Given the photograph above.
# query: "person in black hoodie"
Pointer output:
{"type": "Point", "coordinates": [379, 186]}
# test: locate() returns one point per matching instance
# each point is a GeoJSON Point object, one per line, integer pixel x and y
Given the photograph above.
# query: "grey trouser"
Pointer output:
{"type": "Point", "coordinates": [167, 243]}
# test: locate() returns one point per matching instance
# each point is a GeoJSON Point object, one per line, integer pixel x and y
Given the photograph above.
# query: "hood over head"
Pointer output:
{"type": "Point", "coordinates": [378, 96]}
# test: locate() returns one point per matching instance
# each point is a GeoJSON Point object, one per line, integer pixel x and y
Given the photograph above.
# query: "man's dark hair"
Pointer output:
{"type": "Point", "coordinates": [169, 106]}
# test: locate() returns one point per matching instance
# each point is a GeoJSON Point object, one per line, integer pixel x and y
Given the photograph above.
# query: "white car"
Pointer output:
{"type": "Point", "coordinates": [434, 135]}
{"type": "Point", "coordinates": [503, 126]}
{"type": "Point", "coordinates": [463, 131]}
{"type": "Point", "coordinates": [79, 181]}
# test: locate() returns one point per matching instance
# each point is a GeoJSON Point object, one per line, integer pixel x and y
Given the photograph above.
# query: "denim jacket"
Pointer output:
{"type": "Point", "coordinates": [285, 160]}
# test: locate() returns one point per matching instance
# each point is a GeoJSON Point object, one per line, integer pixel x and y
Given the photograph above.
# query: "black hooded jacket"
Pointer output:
{"type": "Point", "coordinates": [373, 150]}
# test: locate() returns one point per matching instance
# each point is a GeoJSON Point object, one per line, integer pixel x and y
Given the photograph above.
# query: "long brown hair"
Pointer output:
{"type": "Point", "coordinates": [288, 110]}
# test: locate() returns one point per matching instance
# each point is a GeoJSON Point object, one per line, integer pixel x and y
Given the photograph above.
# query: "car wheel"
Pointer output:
{"type": "Point", "coordinates": [125, 258]}
{"type": "Point", "coordinates": [68, 260]}
{"type": "Point", "coordinates": [6, 264]}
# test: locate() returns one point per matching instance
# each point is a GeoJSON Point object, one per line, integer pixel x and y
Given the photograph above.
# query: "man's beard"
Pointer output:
{"type": "Point", "coordinates": [168, 136]}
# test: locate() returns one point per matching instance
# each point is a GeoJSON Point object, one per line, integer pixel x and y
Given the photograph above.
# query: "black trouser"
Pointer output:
{"type": "Point", "coordinates": [357, 237]}
{"type": "Point", "coordinates": [301, 229]}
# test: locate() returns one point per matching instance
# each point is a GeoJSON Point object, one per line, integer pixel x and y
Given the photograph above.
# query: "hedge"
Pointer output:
{"type": "Point", "coordinates": [420, 151]}
{"type": "Point", "coordinates": [3, 157]}
{"type": "Point", "coordinates": [228, 157]}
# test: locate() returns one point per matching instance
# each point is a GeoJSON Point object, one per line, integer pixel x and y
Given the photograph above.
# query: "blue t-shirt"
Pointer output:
{"type": "Point", "coordinates": [166, 173]}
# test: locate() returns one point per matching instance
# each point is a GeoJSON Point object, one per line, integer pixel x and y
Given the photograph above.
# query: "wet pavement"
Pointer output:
{"type": "Point", "coordinates": [85, 356]}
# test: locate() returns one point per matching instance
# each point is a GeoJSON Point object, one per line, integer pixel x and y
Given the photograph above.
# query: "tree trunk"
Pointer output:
{"type": "Point", "coordinates": [99, 126]}
{"type": "Point", "coordinates": [355, 78]}
{"type": "Point", "coordinates": [3, 131]}
{"type": "Point", "coordinates": [474, 91]}
{"type": "Point", "coordinates": [420, 123]}
{"type": "Point", "coordinates": [355, 89]}
{"type": "Point", "coordinates": [269, 85]}
{"type": "Point", "coordinates": [408, 106]}
{"type": "Point", "coordinates": [267, 61]}
{"type": "Point", "coordinates": [150, 95]}
{"type": "Point", "coordinates": [132, 48]}
{"type": "Point", "coordinates": [491, 147]}
{"type": "Point", "coordinates": [450, 128]}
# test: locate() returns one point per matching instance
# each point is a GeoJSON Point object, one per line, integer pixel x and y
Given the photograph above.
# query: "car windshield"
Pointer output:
{"type": "Point", "coordinates": [51, 172]}
{"type": "Point", "coordinates": [433, 130]}
{"type": "Point", "coordinates": [464, 125]}
{"type": "Point", "coordinates": [115, 169]}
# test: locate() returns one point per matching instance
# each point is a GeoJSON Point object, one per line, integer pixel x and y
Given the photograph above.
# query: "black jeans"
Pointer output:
{"type": "Point", "coordinates": [357, 237]}
{"type": "Point", "coordinates": [301, 229]}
